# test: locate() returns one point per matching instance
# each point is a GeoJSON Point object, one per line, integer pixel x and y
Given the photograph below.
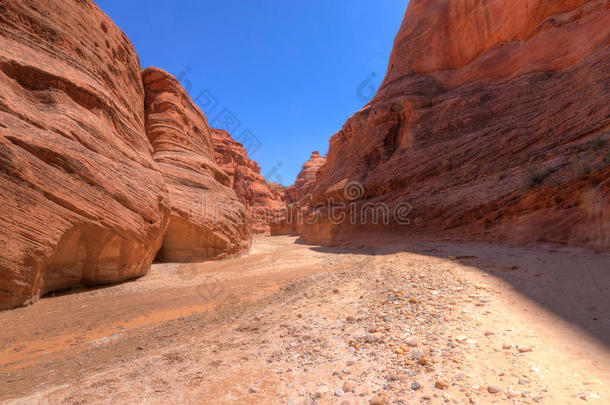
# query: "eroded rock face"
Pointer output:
{"type": "Point", "coordinates": [82, 199]}
{"type": "Point", "coordinates": [262, 199]}
{"type": "Point", "coordinates": [305, 179]}
{"type": "Point", "coordinates": [207, 221]}
{"type": "Point", "coordinates": [492, 122]}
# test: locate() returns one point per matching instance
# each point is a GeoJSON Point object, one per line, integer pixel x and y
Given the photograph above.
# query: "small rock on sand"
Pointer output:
{"type": "Point", "coordinates": [378, 400]}
{"type": "Point", "coordinates": [441, 384]}
{"type": "Point", "coordinates": [493, 389]}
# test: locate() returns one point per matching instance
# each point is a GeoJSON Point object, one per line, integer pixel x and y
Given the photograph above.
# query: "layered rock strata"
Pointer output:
{"type": "Point", "coordinates": [83, 201]}
{"type": "Point", "coordinates": [262, 199]}
{"type": "Point", "coordinates": [492, 123]}
{"type": "Point", "coordinates": [206, 221]}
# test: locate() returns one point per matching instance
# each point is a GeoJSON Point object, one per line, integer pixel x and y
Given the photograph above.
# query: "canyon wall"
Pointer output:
{"type": "Point", "coordinates": [262, 199]}
{"type": "Point", "coordinates": [305, 179]}
{"type": "Point", "coordinates": [103, 167]}
{"type": "Point", "coordinates": [492, 123]}
{"type": "Point", "coordinates": [82, 200]}
{"type": "Point", "coordinates": [206, 221]}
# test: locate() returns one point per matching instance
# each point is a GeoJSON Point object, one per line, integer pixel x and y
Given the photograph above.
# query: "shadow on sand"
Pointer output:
{"type": "Point", "coordinates": [573, 284]}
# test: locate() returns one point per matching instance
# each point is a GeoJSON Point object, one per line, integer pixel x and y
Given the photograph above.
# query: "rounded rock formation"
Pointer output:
{"type": "Point", "coordinates": [207, 221]}
{"type": "Point", "coordinates": [305, 179]}
{"type": "Point", "coordinates": [82, 200]}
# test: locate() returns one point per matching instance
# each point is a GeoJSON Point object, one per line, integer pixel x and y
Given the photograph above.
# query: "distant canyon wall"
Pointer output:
{"type": "Point", "coordinates": [492, 123]}
{"type": "Point", "coordinates": [305, 179]}
{"type": "Point", "coordinates": [261, 199]}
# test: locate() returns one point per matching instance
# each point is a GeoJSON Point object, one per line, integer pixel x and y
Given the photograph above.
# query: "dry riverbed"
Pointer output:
{"type": "Point", "coordinates": [408, 323]}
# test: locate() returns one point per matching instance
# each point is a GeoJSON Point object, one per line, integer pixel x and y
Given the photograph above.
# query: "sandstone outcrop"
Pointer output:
{"type": "Point", "coordinates": [305, 179]}
{"type": "Point", "coordinates": [82, 200]}
{"type": "Point", "coordinates": [492, 122]}
{"type": "Point", "coordinates": [262, 199]}
{"type": "Point", "coordinates": [207, 221]}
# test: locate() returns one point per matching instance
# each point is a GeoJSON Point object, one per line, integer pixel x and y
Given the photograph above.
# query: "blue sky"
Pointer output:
{"type": "Point", "coordinates": [282, 75]}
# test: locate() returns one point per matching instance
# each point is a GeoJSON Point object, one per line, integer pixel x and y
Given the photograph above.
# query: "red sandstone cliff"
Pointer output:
{"type": "Point", "coordinates": [492, 122]}
{"type": "Point", "coordinates": [262, 199]}
{"type": "Point", "coordinates": [88, 153]}
{"type": "Point", "coordinates": [305, 179]}
{"type": "Point", "coordinates": [206, 221]}
{"type": "Point", "coordinates": [82, 200]}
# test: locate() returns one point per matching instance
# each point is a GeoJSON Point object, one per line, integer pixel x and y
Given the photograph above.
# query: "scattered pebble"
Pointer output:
{"type": "Point", "coordinates": [461, 338]}
{"type": "Point", "coordinates": [416, 354]}
{"type": "Point", "coordinates": [441, 384]}
{"type": "Point", "coordinates": [591, 382]}
{"type": "Point", "coordinates": [378, 400]}
{"type": "Point", "coordinates": [412, 341]}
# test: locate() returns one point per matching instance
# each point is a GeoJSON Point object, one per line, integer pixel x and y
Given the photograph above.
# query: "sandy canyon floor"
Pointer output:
{"type": "Point", "coordinates": [405, 322]}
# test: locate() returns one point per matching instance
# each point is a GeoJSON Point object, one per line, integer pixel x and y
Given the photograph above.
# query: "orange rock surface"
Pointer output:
{"type": "Point", "coordinates": [305, 179]}
{"type": "Point", "coordinates": [492, 122]}
{"type": "Point", "coordinates": [262, 199]}
{"type": "Point", "coordinates": [99, 173]}
{"type": "Point", "coordinates": [207, 221]}
{"type": "Point", "coordinates": [82, 200]}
